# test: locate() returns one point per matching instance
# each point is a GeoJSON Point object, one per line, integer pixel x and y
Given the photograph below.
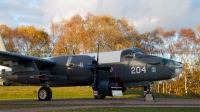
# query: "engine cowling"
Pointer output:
{"type": "Point", "coordinates": [77, 73]}
{"type": "Point", "coordinates": [105, 87]}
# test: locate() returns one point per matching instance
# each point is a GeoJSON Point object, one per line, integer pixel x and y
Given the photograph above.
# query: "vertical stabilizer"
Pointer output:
{"type": "Point", "coordinates": [2, 68]}
{"type": "Point", "coordinates": [2, 45]}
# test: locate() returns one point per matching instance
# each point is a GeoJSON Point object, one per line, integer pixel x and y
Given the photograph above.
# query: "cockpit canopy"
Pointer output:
{"type": "Point", "coordinates": [132, 53]}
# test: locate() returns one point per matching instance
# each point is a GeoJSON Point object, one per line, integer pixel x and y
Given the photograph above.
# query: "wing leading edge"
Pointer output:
{"type": "Point", "coordinates": [40, 62]}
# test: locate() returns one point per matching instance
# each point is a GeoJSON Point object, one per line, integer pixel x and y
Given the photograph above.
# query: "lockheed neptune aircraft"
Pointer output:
{"type": "Point", "coordinates": [134, 68]}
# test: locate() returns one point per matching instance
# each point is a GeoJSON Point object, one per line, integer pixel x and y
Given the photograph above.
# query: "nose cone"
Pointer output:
{"type": "Point", "coordinates": [178, 68]}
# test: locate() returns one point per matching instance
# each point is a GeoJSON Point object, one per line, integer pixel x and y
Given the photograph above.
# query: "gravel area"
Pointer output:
{"type": "Point", "coordinates": [93, 103]}
{"type": "Point", "coordinates": [107, 101]}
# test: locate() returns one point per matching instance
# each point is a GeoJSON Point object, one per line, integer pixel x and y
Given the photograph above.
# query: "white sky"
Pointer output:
{"type": "Point", "coordinates": [146, 15]}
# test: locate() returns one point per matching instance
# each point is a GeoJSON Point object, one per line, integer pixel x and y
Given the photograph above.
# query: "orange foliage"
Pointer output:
{"type": "Point", "coordinates": [187, 34]}
{"type": "Point", "coordinates": [81, 36]}
{"type": "Point", "coordinates": [26, 40]}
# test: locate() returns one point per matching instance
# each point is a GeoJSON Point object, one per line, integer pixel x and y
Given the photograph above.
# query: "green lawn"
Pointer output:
{"type": "Point", "coordinates": [30, 92]}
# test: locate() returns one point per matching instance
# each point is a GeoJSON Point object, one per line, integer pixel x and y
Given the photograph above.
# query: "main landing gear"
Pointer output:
{"type": "Point", "coordinates": [45, 93]}
{"type": "Point", "coordinates": [100, 96]}
{"type": "Point", "coordinates": [149, 96]}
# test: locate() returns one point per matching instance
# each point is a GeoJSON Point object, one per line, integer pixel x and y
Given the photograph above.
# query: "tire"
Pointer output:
{"type": "Point", "coordinates": [44, 94]}
{"type": "Point", "coordinates": [123, 89]}
{"type": "Point", "coordinates": [6, 83]}
{"type": "Point", "coordinates": [153, 97]}
{"type": "Point", "coordinates": [100, 96]}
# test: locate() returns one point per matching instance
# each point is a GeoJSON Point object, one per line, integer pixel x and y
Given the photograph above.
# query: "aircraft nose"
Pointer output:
{"type": "Point", "coordinates": [178, 68]}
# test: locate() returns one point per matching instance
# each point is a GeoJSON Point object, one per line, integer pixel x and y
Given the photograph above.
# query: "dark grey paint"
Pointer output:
{"type": "Point", "coordinates": [67, 70]}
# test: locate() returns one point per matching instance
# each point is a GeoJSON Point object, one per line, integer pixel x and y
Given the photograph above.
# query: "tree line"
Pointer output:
{"type": "Point", "coordinates": [80, 35]}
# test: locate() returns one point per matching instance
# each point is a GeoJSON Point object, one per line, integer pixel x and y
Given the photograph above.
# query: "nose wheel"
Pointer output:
{"type": "Point", "coordinates": [149, 96]}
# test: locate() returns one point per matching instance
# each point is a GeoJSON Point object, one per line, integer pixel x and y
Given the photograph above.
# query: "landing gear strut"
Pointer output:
{"type": "Point", "coordinates": [149, 96]}
{"type": "Point", "coordinates": [45, 93]}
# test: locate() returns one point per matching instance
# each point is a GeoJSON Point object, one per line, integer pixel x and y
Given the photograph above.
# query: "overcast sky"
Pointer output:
{"type": "Point", "coordinates": [145, 15]}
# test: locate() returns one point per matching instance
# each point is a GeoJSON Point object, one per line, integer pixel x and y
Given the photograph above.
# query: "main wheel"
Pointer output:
{"type": "Point", "coordinates": [100, 96]}
{"type": "Point", "coordinates": [44, 94]}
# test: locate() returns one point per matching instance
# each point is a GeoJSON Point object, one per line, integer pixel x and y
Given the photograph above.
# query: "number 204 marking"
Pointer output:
{"type": "Point", "coordinates": [137, 70]}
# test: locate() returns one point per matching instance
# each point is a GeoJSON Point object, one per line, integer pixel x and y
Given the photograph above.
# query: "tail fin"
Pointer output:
{"type": "Point", "coordinates": [2, 45]}
{"type": "Point", "coordinates": [2, 68]}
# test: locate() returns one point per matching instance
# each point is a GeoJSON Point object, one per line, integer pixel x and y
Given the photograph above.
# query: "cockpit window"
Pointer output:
{"type": "Point", "coordinates": [132, 53]}
{"type": "Point", "coordinates": [138, 55]}
{"type": "Point", "coordinates": [164, 62]}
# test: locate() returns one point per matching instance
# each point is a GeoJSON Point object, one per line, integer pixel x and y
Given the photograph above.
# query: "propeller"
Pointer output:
{"type": "Point", "coordinates": [95, 68]}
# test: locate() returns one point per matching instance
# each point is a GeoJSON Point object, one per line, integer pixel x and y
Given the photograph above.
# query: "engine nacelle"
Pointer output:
{"type": "Point", "coordinates": [29, 77]}
{"type": "Point", "coordinates": [77, 73]}
{"type": "Point", "coordinates": [105, 87]}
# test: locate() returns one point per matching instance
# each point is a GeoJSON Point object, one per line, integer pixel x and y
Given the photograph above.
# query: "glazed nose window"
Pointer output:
{"type": "Point", "coordinates": [178, 68]}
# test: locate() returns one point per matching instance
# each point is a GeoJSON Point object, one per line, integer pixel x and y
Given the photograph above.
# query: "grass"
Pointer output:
{"type": "Point", "coordinates": [130, 93]}
{"type": "Point", "coordinates": [30, 92]}
{"type": "Point", "coordinates": [129, 109]}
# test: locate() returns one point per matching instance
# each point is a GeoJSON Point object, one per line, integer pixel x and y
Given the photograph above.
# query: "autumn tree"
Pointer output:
{"type": "Point", "coordinates": [112, 33]}
{"type": "Point", "coordinates": [31, 41]}
{"type": "Point", "coordinates": [79, 35]}
{"type": "Point", "coordinates": [167, 51]}
{"type": "Point", "coordinates": [151, 42]}
{"type": "Point", "coordinates": [168, 39]}
{"type": "Point", "coordinates": [195, 85]}
{"type": "Point", "coordinates": [71, 36]}
{"type": "Point", "coordinates": [185, 47]}
{"type": "Point", "coordinates": [26, 40]}
{"type": "Point", "coordinates": [7, 35]}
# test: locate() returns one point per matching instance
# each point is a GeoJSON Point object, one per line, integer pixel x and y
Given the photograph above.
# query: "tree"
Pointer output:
{"type": "Point", "coordinates": [151, 42]}
{"type": "Point", "coordinates": [26, 40]}
{"type": "Point", "coordinates": [186, 48]}
{"type": "Point", "coordinates": [81, 36]}
{"type": "Point", "coordinates": [7, 35]}
{"type": "Point", "coordinates": [71, 36]}
{"type": "Point", "coordinates": [112, 33]}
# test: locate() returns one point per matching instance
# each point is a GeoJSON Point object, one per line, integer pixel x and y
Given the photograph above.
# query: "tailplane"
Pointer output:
{"type": "Point", "coordinates": [2, 45]}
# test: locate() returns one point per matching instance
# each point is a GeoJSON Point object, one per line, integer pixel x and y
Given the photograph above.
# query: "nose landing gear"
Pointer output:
{"type": "Point", "coordinates": [149, 96]}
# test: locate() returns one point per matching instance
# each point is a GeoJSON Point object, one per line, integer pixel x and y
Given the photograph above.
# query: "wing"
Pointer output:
{"type": "Point", "coordinates": [40, 62]}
